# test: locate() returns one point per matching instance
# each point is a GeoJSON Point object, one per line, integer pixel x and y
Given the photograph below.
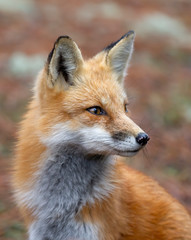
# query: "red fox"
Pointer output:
{"type": "Point", "coordinates": [68, 182]}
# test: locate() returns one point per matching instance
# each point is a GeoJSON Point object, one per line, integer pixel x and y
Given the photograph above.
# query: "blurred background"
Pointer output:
{"type": "Point", "coordinates": [158, 83]}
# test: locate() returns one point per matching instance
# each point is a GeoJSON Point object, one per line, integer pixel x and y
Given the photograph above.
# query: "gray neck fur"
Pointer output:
{"type": "Point", "coordinates": [69, 180]}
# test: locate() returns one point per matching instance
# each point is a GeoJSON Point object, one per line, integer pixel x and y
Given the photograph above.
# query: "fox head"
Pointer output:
{"type": "Point", "coordinates": [84, 102]}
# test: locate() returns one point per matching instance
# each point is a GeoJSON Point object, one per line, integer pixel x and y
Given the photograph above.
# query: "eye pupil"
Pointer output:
{"type": "Point", "coordinates": [97, 111]}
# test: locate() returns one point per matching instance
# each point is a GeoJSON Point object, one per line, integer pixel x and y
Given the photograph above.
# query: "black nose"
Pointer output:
{"type": "Point", "coordinates": [142, 139]}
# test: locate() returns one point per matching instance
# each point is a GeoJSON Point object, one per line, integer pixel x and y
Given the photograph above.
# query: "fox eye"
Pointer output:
{"type": "Point", "coordinates": [96, 110]}
{"type": "Point", "coordinates": [126, 108]}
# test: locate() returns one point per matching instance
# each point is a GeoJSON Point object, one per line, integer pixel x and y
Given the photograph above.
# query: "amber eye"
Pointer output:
{"type": "Point", "coordinates": [126, 108]}
{"type": "Point", "coordinates": [96, 110]}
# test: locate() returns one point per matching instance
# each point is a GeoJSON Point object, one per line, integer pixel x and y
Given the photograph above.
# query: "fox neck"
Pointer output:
{"type": "Point", "coordinates": [70, 179]}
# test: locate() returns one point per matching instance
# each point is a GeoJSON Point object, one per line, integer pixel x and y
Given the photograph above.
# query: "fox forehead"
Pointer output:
{"type": "Point", "coordinates": [96, 86]}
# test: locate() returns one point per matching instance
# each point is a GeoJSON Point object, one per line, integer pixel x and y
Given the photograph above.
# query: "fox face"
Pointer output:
{"type": "Point", "coordinates": [83, 102]}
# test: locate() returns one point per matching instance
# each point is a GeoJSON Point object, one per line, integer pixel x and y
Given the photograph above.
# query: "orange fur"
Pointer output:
{"type": "Point", "coordinates": [138, 208]}
{"type": "Point", "coordinates": [146, 204]}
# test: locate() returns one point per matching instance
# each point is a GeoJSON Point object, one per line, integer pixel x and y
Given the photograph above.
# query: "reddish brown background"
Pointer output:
{"type": "Point", "coordinates": [158, 83]}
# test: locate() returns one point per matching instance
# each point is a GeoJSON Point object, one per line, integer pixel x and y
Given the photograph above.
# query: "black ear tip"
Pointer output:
{"type": "Point", "coordinates": [62, 37]}
{"type": "Point", "coordinates": [50, 56]}
{"type": "Point", "coordinates": [131, 32]}
{"type": "Point", "coordinates": [56, 42]}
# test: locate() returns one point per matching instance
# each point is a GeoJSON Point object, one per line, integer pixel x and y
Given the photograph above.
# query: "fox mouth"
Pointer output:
{"type": "Point", "coordinates": [127, 153]}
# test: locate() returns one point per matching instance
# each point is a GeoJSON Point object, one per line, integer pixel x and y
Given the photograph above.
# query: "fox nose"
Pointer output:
{"type": "Point", "coordinates": [142, 138]}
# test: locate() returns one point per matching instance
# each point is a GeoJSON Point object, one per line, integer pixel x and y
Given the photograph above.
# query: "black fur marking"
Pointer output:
{"type": "Point", "coordinates": [114, 43]}
{"type": "Point", "coordinates": [50, 55]}
{"type": "Point", "coordinates": [119, 136]}
{"type": "Point", "coordinates": [61, 68]}
{"type": "Point", "coordinates": [52, 51]}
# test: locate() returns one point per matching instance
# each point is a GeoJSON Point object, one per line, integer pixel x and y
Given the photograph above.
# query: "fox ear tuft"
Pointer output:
{"type": "Point", "coordinates": [64, 61]}
{"type": "Point", "coordinates": [119, 54]}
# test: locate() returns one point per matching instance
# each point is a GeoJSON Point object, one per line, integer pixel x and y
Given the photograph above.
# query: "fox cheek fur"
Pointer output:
{"type": "Point", "coordinates": [80, 85]}
{"type": "Point", "coordinates": [67, 183]}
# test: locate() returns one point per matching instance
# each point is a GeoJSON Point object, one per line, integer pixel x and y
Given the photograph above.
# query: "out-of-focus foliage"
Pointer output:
{"type": "Point", "coordinates": [158, 83]}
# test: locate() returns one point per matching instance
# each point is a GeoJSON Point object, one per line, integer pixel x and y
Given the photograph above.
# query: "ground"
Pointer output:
{"type": "Point", "coordinates": [158, 82]}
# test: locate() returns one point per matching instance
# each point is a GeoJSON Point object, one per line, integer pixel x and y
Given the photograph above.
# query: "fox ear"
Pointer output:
{"type": "Point", "coordinates": [64, 62]}
{"type": "Point", "coordinates": [119, 54]}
